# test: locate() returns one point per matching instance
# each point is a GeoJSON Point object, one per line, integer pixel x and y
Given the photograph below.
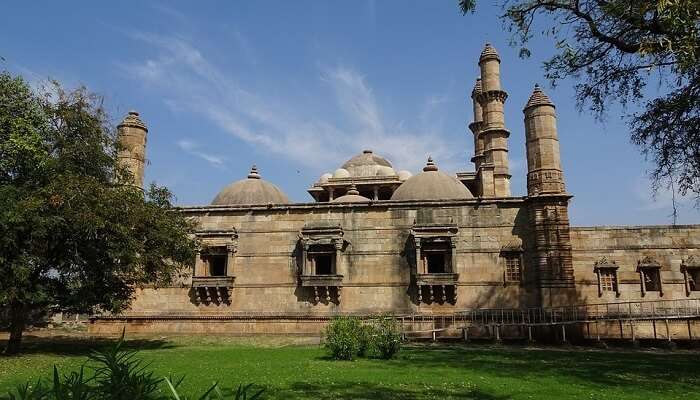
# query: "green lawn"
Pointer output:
{"type": "Point", "coordinates": [421, 371]}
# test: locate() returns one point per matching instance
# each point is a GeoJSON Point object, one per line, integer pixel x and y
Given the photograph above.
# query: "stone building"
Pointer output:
{"type": "Point", "coordinates": [377, 240]}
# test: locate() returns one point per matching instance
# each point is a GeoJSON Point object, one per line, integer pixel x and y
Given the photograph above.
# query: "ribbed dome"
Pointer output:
{"type": "Point", "coordinates": [252, 190]}
{"type": "Point", "coordinates": [538, 98]}
{"type": "Point", "coordinates": [368, 164]}
{"type": "Point", "coordinates": [133, 120]}
{"type": "Point", "coordinates": [352, 196]}
{"type": "Point", "coordinates": [431, 184]}
{"type": "Point", "coordinates": [477, 88]}
{"type": "Point", "coordinates": [488, 53]}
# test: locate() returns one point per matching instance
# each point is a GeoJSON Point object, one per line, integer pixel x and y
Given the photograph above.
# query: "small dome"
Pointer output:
{"type": "Point", "coordinates": [403, 175]}
{"type": "Point", "coordinates": [477, 88]}
{"type": "Point", "coordinates": [431, 184]}
{"type": "Point", "coordinates": [538, 98]}
{"type": "Point", "coordinates": [133, 120]}
{"type": "Point", "coordinates": [252, 190]}
{"type": "Point", "coordinates": [341, 173]}
{"type": "Point", "coordinates": [365, 164]}
{"type": "Point", "coordinates": [325, 177]}
{"type": "Point", "coordinates": [385, 171]}
{"type": "Point", "coordinates": [489, 53]}
{"type": "Point", "coordinates": [352, 196]}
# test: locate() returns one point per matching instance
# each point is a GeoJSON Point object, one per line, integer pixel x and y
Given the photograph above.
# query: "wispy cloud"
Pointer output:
{"type": "Point", "coordinates": [193, 148]}
{"type": "Point", "coordinates": [187, 80]}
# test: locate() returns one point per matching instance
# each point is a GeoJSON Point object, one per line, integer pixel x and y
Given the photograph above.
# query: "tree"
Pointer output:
{"type": "Point", "coordinates": [613, 49]}
{"type": "Point", "coordinates": [72, 238]}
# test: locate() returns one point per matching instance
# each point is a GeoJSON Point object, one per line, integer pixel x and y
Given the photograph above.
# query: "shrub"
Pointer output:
{"type": "Point", "coordinates": [342, 337]}
{"type": "Point", "coordinates": [365, 338]}
{"type": "Point", "coordinates": [386, 337]}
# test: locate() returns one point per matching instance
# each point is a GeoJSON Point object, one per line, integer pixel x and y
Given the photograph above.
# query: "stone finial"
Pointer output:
{"type": "Point", "coordinates": [477, 88]}
{"type": "Point", "coordinates": [254, 173]}
{"type": "Point", "coordinates": [352, 191]}
{"type": "Point", "coordinates": [133, 120]}
{"type": "Point", "coordinates": [489, 53]}
{"type": "Point", "coordinates": [430, 165]}
{"type": "Point", "coordinates": [538, 98]}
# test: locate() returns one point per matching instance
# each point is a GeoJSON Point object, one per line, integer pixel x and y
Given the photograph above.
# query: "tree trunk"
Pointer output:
{"type": "Point", "coordinates": [18, 319]}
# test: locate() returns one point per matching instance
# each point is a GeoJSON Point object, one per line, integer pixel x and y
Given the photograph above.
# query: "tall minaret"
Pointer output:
{"type": "Point", "coordinates": [131, 133]}
{"type": "Point", "coordinates": [548, 204]}
{"type": "Point", "coordinates": [494, 132]}
{"type": "Point", "coordinates": [544, 174]}
{"type": "Point", "coordinates": [476, 127]}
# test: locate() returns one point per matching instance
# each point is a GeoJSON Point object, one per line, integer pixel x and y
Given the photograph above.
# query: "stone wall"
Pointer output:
{"type": "Point", "coordinates": [626, 246]}
{"type": "Point", "coordinates": [374, 262]}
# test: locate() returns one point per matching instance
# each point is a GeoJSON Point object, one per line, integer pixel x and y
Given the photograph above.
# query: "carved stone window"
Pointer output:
{"type": "Point", "coordinates": [691, 274]}
{"type": "Point", "coordinates": [216, 260]}
{"type": "Point", "coordinates": [512, 264]}
{"type": "Point", "coordinates": [213, 275]}
{"type": "Point", "coordinates": [606, 271]}
{"type": "Point", "coordinates": [321, 259]}
{"type": "Point", "coordinates": [321, 246]}
{"type": "Point", "coordinates": [435, 256]}
{"type": "Point", "coordinates": [650, 276]}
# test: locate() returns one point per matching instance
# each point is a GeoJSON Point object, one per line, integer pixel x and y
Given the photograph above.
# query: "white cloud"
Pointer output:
{"type": "Point", "coordinates": [193, 148]}
{"type": "Point", "coordinates": [183, 76]}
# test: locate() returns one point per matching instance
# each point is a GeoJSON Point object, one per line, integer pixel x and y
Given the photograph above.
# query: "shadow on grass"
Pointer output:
{"type": "Point", "coordinates": [643, 370]}
{"type": "Point", "coordinates": [82, 346]}
{"type": "Point", "coordinates": [366, 390]}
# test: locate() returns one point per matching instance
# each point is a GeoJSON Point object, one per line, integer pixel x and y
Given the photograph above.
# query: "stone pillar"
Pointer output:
{"type": "Point", "coordinates": [231, 249]}
{"type": "Point", "coordinates": [493, 130]}
{"type": "Point", "coordinates": [339, 268]}
{"type": "Point", "coordinates": [544, 173]}
{"type": "Point", "coordinates": [548, 204]}
{"type": "Point", "coordinates": [131, 134]}
{"type": "Point", "coordinates": [476, 127]}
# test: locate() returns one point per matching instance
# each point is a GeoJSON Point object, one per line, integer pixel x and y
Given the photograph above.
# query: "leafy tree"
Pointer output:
{"type": "Point", "coordinates": [614, 49]}
{"type": "Point", "coordinates": [72, 238]}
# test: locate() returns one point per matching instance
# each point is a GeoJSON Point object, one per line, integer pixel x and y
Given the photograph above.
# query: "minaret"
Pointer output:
{"type": "Point", "coordinates": [131, 134]}
{"type": "Point", "coordinates": [476, 127]}
{"type": "Point", "coordinates": [494, 133]}
{"type": "Point", "coordinates": [544, 174]}
{"type": "Point", "coordinates": [548, 204]}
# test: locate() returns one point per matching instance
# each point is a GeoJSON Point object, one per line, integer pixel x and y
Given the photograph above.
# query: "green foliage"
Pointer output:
{"type": "Point", "coordinates": [117, 375]}
{"type": "Point", "coordinates": [348, 337]}
{"type": "Point", "coordinates": [386, 336]}
{"type": "Point", "coordinates": [73, 238]}
{"type": "Point", "coordinates": [342, 337]}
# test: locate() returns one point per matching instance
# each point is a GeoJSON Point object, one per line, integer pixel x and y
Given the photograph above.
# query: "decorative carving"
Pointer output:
{"type": "Point", "coordinates": [485, 97]}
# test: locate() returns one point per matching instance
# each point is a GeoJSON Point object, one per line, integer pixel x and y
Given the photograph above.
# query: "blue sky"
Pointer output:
{"type": "Point", "coordinates": [299, 87]}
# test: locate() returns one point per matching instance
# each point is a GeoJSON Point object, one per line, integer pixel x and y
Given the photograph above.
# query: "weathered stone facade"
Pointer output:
{"type": "Point", "coordinates": [377, 241]}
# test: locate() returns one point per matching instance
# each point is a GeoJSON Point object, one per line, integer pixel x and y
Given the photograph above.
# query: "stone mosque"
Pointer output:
{"type": "Point", "coordinates": [375, 240]}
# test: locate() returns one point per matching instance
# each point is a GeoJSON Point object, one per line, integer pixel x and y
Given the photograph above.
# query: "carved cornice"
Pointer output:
{"type": "Point", "coordinates": [476, 126]}
{"type": "Point", "coordinates": [690, 262]}
{"type": "Point", "coordinates": [648, 262]}
{"type": "Point", "coordinates": [491, 95]}
{"type": "Point", "coordinates": [604, 263]}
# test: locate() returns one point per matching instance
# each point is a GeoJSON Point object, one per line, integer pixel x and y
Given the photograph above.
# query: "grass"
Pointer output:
{"type": "Point", "coordinates": [420, 371]}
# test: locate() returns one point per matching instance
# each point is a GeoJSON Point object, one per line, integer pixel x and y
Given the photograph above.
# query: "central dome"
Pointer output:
{"type": "Point", "coordinates": [431, 184]}
{"type": "Point", "coordinates": [252, 190]}
{"type": "Point", "coordinates": [368, 164]}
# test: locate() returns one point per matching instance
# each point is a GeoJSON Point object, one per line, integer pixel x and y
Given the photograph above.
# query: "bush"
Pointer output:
{"type": "Point", "coordinates": [386, 337]}
{"type": "Point", "coordinates": [343, 337]}
{"type": "Point", "coordinates": [347, 337]}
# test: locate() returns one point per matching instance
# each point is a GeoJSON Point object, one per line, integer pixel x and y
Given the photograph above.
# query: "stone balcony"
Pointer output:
{"type": "Point", "coordinates": [322, 280]}
{"type": "Point", "coordinates": [212, 281]}
{"type": "Point", "coordinates": [438, 279]}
